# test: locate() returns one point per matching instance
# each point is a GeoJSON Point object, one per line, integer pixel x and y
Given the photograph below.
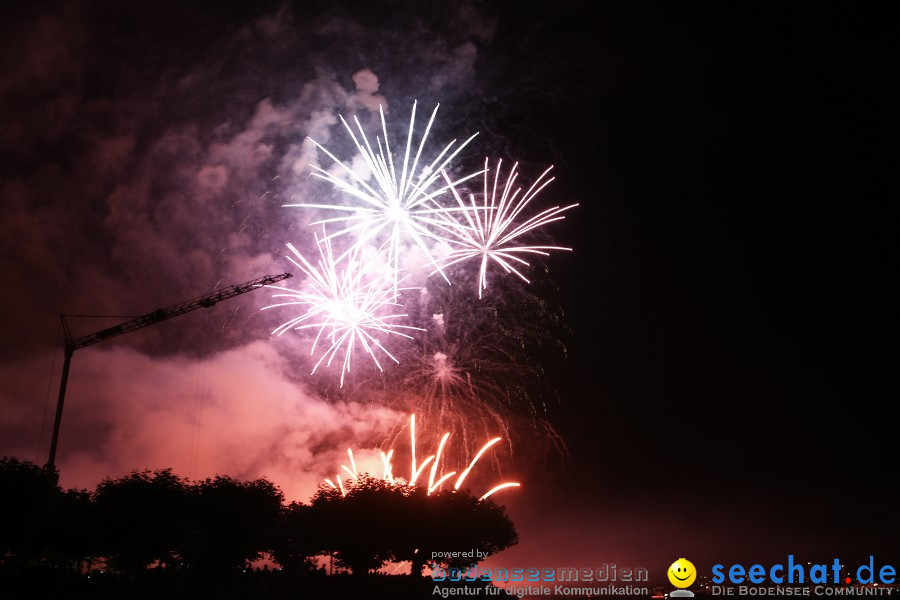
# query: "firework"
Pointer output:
{"type": "Point", "coordinates": [449, 396]}
{"type": "Point", "coordinates": [477, 369]}
{"type": "Point", "coordinates": [495, 225]}
{"type": "Point", "coordinates": [477, 361]}
{"type": "Point", "coordinates": [399, 206]}
{"type": "Point", "coordinates": [416, 470]}
{"type": "Point", "coordinates": [347, 306]}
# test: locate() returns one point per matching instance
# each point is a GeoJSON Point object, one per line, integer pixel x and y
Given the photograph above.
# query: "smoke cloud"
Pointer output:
{"type": "Point", "coordinates": [148, 154]}
{"type": "Point", "coordinates": [239, 412]}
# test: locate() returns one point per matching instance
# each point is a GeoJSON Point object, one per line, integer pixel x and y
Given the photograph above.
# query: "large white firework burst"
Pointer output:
{"type": "Point", "coordinates": [348, 305]}
{"type": "Point", "coordinates": [495, 225]}
{"type": "Point", "coordinates": [398, 206]}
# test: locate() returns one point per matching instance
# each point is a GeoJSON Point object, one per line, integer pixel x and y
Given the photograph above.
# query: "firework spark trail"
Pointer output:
{"type": "Point", "coordinates": [434, 480]}
{"type": "Point", "coordinates": [498, 488]}
{"type": "Point", "coordinates": [473, 372]}
{"type": "Point", "coordinates": [346, 309]}
{"type": "Point", "coordinates": [405, 207]}
{"type": "Point", "coordinates": [493, 228]}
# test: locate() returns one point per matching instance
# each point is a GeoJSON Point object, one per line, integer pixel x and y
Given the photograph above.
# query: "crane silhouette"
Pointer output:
{"type": "Point", "coordinates": [160, 314]}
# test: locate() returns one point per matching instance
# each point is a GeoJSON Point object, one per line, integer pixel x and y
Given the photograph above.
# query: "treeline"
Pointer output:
{"type": "Point", "coordinates": [157, 521]}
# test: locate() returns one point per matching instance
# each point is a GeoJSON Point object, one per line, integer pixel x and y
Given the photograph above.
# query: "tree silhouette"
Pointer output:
{"type": "Point", "coordinates": [360, 523]}
{"type": "Point", "coordinates": [141, 518]}
{"type": "Point", "coordinates": [216, 526]}
{"type": "Point", "coordinates": [72, 534]}
{"type": "Point", "coordinates": [230, 522]}
{"type": "Point", "coordinates": [298, 537]}
{"type": "Point", "coordinates": [378, 522]}
{"type": "Point", "coordinates": [27, 490]}
{"type": "Point", "coordinates": [451, 521]}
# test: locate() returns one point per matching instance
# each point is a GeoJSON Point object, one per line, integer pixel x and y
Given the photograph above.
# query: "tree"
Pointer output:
{"type": "Point", "coordinates": [359, 524]}
{"type": "Point", "coordinates": [298, 537]}
{"type": "Point", "coordinates": [25, 492]}
{"type": "Point", "coordinates": [451, 521]}
{"type": "Point", "coordinates": [231, 523]}
{"type": "Point", "coordinates": [141, 518]}
{"type": "Point", "coordinates": [377, 522]}
{"type": "Point", "coordinates": [72, 530]}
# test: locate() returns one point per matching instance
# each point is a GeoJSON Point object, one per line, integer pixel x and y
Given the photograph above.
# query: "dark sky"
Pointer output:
{"type": "Point", "coordinates": [725, 389]}
{"type": "Point", "coordinates": [731, 359]}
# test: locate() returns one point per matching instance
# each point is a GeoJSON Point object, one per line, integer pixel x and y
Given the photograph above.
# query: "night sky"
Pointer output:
{"type": "Point", "coordinates": [724, 393]}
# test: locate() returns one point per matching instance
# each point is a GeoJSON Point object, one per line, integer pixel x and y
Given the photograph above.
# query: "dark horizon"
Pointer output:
{"type": "Point", "coordinates": [724, 390]}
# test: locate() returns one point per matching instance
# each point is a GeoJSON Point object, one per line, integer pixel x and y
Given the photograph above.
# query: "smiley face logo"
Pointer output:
{"type": "Point", "coordinates": [682, 573]}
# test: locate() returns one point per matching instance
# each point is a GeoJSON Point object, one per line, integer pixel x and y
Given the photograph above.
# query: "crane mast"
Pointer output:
{"type": "Point", "coordinates": [160, 314]}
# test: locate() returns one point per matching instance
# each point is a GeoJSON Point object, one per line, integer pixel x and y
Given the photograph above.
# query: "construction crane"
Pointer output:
{"type": "Point", "coordinates": [160, 314]}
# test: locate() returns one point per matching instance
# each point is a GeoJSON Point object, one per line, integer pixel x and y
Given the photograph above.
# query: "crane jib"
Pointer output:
{"type": "Point", "coordinates": [160, 314]}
